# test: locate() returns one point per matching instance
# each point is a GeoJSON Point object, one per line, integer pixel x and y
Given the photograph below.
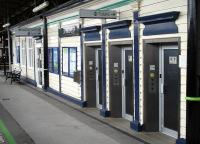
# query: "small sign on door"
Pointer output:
{"type": "Point", "coordinates": [172, 60]}
{"type": "Point", "coordinates": [130, 59]}
{"type": "Point", "coordinates": [90, 62]}
{"type": "Point", "coordinates": [115, 65]}
{"type": "Point", "coordinates": [152, 67]}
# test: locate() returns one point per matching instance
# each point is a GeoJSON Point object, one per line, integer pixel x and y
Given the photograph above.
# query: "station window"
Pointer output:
{"type": "Point", "coordinates": [23, 53]}
{"type": "Point", "coordinates": [69, 61]}
{"type": "Point", "coordinates": [30, 53]}
{"type": "Point", "coordinates": [18, 54]}
{"type": "Point", "coordinates": [53, 63]}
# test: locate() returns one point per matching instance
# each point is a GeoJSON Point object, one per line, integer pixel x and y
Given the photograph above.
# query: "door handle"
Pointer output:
{"type": "Point", "coordinates": [123, 81]}
{"type": "Point", "coordinates": [162, 88]}
{"type": "Point", "coordinates": [98, 77]}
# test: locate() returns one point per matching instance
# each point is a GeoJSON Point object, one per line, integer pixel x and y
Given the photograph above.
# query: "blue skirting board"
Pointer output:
{"type": "Point", "coordinates": [181, 141]}
{"type": "Point", "coordinates": [29, 81]}
{"type": "Point", "coordinates": [69, 98]}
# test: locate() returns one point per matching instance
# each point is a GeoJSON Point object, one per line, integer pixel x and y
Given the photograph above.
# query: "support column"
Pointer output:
{"type": "Point", "coordinates": [135, 124]}
{"type": "Point", "coordinates": [104, 111]}
{"type": "Point", "coordinates": [4, 54]}
{"type": "Point", "coordinates": [81, 23]}
{"type": "Point", "coordinates": [60, 60]}
{"type": "Point", "coordinates": [9, 49]}
{"type": "Point", "coordinates": [193, 73]}
{"type": "Point", "coordinates": [45, 50]}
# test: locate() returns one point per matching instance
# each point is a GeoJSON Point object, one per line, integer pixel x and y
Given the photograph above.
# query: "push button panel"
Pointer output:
{"type": "Point", "coordinates": [116, 75]}
{"type": "Point", "coordinates": [91, 70]}
{"type": "Point", "coordinates": [152, 79]}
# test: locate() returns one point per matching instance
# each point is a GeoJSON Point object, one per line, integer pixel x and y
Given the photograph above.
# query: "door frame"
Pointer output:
{"type": "Point", "coordinates": [37, 69]}
{"type": "Point", "coordinates": [163, 129]}
{"type": "Point", "coordinates": [97, 77]}
{"type": "Point", "coordinates": [124, 114]}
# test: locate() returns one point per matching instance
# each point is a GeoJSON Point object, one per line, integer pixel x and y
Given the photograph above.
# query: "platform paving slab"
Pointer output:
{"type": "Point", "coordinates": [49, 121]}
{"type": "Point", "coordinates": [10, 131]}
{"type": "Point", "coordinates": [120, 124]}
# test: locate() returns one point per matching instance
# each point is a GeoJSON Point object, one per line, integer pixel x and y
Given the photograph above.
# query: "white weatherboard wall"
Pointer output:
{"type": "Point", "coordinates": [27, 71]}
{"type": "Point", "coordinates": [149, 7]}
{"type": "Point", "coordinates": [53, 42]}
{"type": "Point", "coordinates": [68, 86]}
{"type": "Point", "coordinates": [123, 7]}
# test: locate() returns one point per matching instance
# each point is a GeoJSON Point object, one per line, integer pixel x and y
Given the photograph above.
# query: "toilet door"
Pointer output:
{"type": "Point", "coordinates": [127, 84]}
{"type": "Point", "coordinates": [98, 78]}
{"type": "Point", "coordinates": [169, 89]}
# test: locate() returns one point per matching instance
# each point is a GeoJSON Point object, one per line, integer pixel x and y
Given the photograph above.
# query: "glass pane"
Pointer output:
{"type": "Point", "coordinates": [30, 57]}
{"type": "Point", "coordinates": [50, 60]}
{"type": "Point", "coordinates": [72, 61]}
{"type": "Point", "coordinates": [18, 54]}
{"type": "Point", "coordinates": [23, 57]}
{"type": "Point", "coordinates": [55, 60]}
{"type": "Point", "coordinates": [65, 61]}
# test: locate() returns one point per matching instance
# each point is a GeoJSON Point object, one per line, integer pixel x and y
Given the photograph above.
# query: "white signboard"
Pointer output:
{"type": "Point", "coordinates": [28, 32]}
{"type": "Point", "coordinates": [106, 14]}
{"type": "Point", "coordinates": [182, 61]}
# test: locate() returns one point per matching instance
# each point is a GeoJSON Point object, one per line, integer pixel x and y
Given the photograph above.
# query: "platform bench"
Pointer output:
{"type": "Point", "coordinates": [14, 75]}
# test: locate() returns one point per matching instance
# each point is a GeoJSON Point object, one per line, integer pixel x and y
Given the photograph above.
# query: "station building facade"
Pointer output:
{"type": "Point", "coordinates": [131, 67]}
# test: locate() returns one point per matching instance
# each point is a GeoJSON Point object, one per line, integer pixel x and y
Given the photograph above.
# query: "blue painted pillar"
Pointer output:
{"type": "Point", "coordinates": [104, 111]}
{"type": "Point", "coordinates": [81, 50]}
{"type": "Point", "coordinates": [135, 124]}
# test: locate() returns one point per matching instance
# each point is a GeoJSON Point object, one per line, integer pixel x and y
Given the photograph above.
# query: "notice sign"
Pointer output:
{"type": "Point", "coordinates": [130, 59]}
{"type": "Point", "coordinates": [106, 14]}
{"type": "Point", "coordinates": [115, 65]}
{"type": "Point", "coordinates": [172, 60]}
{"type": "Point", "coordinates": [152, 67]}
{"type": "Point", "coordinates": [28, 32]}
{"type": "Point", "coordinates": [69, 31]}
